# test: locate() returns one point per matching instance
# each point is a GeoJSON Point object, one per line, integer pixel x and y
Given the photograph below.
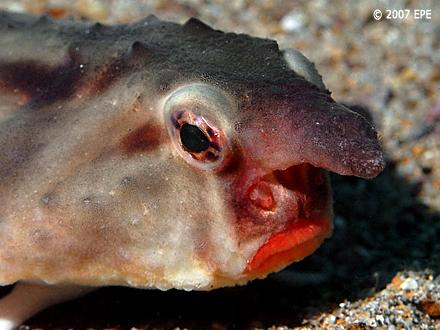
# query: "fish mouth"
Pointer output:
{"type": "Point", "coordinates": [302, 194]}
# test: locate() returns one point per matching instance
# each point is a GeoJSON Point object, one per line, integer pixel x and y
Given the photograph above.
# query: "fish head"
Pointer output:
{"type": "Point", "coordinates": [196, 159]}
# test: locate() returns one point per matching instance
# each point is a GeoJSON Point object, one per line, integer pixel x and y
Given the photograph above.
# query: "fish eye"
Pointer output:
{"type": "Point", "coordinates": [199, 141]}
{"type": "Point", "coordinates": [195, 119]}
{"type": "Point", "coordinates": [193, 139]}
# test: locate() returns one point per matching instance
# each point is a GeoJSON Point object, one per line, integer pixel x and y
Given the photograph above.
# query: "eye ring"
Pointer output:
{"type": "Point", "coordinates": [195, 117]}
{"type": "Point", "coordinates": [199, 141]}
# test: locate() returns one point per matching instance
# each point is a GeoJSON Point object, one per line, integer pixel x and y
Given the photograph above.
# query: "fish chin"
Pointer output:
{"type": "Point", "coordinates": [300, 194]}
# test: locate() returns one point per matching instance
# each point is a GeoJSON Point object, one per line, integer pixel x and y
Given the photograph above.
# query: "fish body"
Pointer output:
{"type": "Point", "coordinates": [159, 155]}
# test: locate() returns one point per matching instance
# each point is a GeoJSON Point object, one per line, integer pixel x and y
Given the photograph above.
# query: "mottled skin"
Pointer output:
{"type": "Point", "coordinates": [96, 187]}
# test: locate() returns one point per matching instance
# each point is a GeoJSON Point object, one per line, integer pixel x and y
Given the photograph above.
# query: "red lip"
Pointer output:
{"type": "Point", "coordinates": [294, 243]}
{"type": "Point", "coordinates": [291, 208]}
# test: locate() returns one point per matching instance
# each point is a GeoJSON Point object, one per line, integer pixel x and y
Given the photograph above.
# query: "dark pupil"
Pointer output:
{"type": "Point", "coordinates": [193, 138]}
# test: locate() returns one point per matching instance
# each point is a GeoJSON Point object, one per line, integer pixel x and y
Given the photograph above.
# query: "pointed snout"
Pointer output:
{"type": "Point", "coordinates": [307, 126]}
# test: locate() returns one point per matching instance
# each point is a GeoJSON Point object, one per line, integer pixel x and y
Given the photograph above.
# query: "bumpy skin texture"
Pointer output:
{"type": "Point", "coordinates": [94, 189]}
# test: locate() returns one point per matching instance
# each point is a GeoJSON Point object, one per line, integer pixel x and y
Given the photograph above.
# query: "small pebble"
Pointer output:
{"type": "Point", "coordinates": [409, 284]}
{"type": "Point", "coordinates": [293, 22]}
{"type": "Point", "coordinates": [331, 319]}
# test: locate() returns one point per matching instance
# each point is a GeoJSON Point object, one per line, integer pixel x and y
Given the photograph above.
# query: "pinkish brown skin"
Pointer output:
{"type": "Point", "coordinates": [97, 188]}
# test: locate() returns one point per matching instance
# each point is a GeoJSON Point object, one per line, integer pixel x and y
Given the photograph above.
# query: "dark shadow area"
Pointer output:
{"type": "Point", "coordinates": [381, 227]}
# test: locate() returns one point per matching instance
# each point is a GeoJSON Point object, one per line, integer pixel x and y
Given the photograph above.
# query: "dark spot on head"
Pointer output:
{"type": "Point", "coordinates": [46, 84]}
{"type": "Point", "coordinates": [144, 138]}
{"type": "Point", "coordinates": [43, 83]}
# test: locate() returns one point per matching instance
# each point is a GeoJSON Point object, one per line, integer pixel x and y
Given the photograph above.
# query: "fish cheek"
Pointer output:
{"type": "Point", "coordinates": [142, 220]}
{"type": "Point", "coordinates": [81, 236]}
{"type": "Point", "coordinates": [156, 224]}
{"type": "Point", "coordinates": [192, 222]}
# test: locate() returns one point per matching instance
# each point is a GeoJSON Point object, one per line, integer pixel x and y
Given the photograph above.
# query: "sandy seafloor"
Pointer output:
{"type": "Point", "coordinates": [381, 267]}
